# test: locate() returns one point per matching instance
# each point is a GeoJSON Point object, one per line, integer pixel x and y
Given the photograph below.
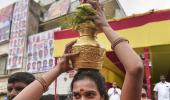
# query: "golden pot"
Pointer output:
{"type": "Point", "coordinates": [91, 53]}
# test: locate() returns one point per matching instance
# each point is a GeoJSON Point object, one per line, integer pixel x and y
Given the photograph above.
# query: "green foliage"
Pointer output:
{"type": "Point", "coordinates": [82, 13]}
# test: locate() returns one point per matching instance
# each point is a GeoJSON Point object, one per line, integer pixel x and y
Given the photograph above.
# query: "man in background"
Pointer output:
{"type": "Point", "coordinates": [162, 89]}
{"type": "Point", "coordinates": [114, 92]}
{"type": "Point", "coordinates": [17, 82]}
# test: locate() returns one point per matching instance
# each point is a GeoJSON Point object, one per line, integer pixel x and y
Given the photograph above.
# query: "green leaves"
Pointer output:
{"type": "Point", "coordinates": [82, 13]}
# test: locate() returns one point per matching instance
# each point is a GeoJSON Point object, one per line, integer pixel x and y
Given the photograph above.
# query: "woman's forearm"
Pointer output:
{"type": "Point", "coordinates": [35, 90]}
{"type": "Point", "coordinates": [125, 53]}
{"type": "Point", "coordinates": [134, 72]}
{"type": "Point", "coordinates": [132, 64]}
{"type": "Point", "coordinates": [110, 33]}
{"type": "Point", "coordinates": [50, 76]}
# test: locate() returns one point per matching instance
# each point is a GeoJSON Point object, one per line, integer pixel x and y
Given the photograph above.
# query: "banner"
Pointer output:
{"type": "Point", "coordinates": [58, 8]}
{"type": "Point", "coordinates": [40, 52]}
{"type": "Point", "coordinates": [61, 84]}
{"type": "Point", "coordinates": [18, 35]}
{"type": "Point", "coordinates": [3, 85]}
{"type": "Point", "coordinates": [5, 22]}
{"type": "Point", "coordinates": [147, 71]}
{"type": "Point", "coordinates": [64, 82]}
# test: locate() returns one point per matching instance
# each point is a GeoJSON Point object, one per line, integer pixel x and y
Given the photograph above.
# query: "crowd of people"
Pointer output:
{"type": "Point", "coordinates": [161, 91]}
{"type": "Point", "coordinates": [18, 81]}
{"type": "Point", "coordinates": [89, 84]}
{"type": "Point", "coordinates": [114, 93]}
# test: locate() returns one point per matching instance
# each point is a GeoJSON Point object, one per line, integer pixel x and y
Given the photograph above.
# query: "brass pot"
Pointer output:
{"type": "Point", "coordinates": [91, 53]}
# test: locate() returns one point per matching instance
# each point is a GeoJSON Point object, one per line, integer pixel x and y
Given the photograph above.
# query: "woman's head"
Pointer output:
{"type": "Point", "coordinates": [88, 84]}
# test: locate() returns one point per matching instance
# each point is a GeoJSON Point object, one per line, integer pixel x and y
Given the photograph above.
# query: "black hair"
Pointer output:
{"type": "Point", "coordinates": [95, 76]}
{"type": "Point", "coordinates": [24, 77]}
{"type": "Point", "coordinates": [162, 75]}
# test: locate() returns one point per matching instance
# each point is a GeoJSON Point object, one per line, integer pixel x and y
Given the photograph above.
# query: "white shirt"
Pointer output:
{"type": "Point", "coordinates": [163, 90]}
{"type": "Point", "coordinates": [114, 93]}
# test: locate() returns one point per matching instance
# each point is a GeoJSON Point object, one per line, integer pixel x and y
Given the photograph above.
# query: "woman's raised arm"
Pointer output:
{"type": "Point", "coordinates": [131, 61]}
{"type": "Point", "coordinates": [35, 90]}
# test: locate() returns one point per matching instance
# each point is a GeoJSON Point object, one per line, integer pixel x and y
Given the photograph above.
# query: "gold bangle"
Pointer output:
{"type": "Point", "coordinates": [43, 83]}
{"type": "Point", "coordinates": [117, 41]}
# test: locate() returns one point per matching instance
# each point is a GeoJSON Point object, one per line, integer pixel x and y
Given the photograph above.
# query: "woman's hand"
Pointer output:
{"type": "Point", "coordinates": [63, 62]}
{"type": "Point", "coordinates": [99, 18]}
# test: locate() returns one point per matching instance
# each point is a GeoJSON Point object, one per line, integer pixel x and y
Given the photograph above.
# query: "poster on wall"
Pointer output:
{"type": "Point", "coordinates": [74, 4]}
{"type": "Point", "coordinates": [58, 8]}
{"type": "Point", "coordinates": [18, 35]}
{"type": "Point", "coordinates": [40, 52]}
{"type": "Point", "coordinates": [3, 86]}
{"type": "Point", "coordinates": [5, 22]}
{"type": "Point", "coordinates": [64, 81]}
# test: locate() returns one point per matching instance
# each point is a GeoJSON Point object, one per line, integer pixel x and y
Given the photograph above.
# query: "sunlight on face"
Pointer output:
{"type": "Point", "coordinates": [86, 89]}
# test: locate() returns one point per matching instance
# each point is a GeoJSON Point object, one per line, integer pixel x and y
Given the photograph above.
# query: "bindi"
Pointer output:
{"type": "Point", "coordinates": [81, 91]}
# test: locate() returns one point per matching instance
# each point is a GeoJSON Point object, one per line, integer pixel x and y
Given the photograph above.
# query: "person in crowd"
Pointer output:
{"type": "Point", "coordinates": [144, 93]}
{"type": "Point", "coordinates": [132, 85]}
{"type": "Point", "coordinates": [17, 82]}
{"type": "Point", "coordinates": [114, 92]}
{"type": "Point", "coordinates": [162, 89]}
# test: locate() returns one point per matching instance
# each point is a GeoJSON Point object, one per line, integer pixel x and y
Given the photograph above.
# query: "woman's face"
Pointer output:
{"type": "Point", "coordinates": [86, 89]}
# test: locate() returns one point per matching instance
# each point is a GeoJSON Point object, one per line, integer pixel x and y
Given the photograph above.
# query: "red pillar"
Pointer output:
{"type": "Point", "coordinates": [147, 71]}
